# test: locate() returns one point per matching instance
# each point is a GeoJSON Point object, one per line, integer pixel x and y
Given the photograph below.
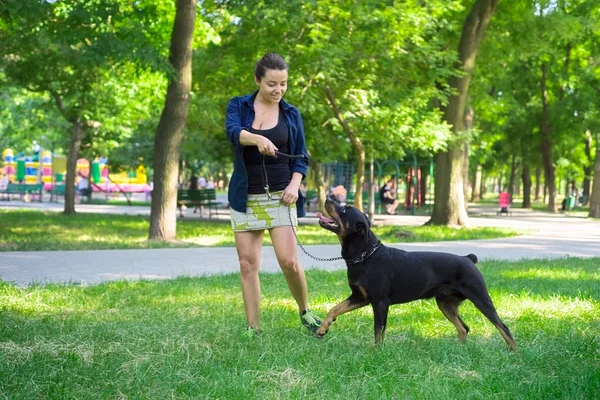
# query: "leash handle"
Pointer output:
{"type": "Point", "coordinates": [290, 156]}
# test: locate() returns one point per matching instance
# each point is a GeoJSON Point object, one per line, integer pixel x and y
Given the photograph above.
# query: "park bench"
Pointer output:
{"type": "Point", "coordinates": [198, 198]}
{"type": "Point", "coordinates": [21, 189]}
{"type": "Point", "coordinates": [57, 190]}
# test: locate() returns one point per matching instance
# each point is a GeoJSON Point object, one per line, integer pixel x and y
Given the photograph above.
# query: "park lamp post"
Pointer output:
{"type": "Point", "coordinates": [37, 149]}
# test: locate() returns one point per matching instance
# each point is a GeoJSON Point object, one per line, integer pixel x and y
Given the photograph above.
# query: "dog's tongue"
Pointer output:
{"type": "Point", "coordinates": [324, 218]}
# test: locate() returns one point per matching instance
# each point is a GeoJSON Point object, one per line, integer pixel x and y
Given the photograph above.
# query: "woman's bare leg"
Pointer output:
{"type": "Point", "coordinates": [248, 245]}
{"type": "Point", "coordinates": [284, 244]}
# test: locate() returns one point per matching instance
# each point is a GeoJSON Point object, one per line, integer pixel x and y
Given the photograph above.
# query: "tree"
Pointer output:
{"type": "Point", "coordinates": [595, 196]}
{"type": "Point", "coordinates": [169, 133]}
{"type": "Point", "coordinates": [449, 207]}
{"type": "Point", "coordinates": [543, 90]}
{"type": "Point", "coordinates": [75, 52]}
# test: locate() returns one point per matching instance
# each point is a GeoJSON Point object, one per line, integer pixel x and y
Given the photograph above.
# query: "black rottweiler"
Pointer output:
{"type": "Point", "coordinates": [380, 276]}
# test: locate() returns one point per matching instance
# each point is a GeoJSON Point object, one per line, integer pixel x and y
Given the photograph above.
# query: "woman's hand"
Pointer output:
{"type": "Point", "coordinates": [290, 194]}
{"type": "Point", "coordinates": [265, 146]}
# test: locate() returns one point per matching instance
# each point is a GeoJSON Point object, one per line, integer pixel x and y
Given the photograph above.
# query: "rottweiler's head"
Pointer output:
{"type": "Point", "coordinates": [346, 221]}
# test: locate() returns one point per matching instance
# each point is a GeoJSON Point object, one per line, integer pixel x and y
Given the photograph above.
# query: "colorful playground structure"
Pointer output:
{"type": "Point", "coordinates": [51, 171]}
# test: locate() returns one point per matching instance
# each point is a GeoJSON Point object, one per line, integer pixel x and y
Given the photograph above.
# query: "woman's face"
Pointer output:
{"type": "Point", "coordinates": [273, 85]}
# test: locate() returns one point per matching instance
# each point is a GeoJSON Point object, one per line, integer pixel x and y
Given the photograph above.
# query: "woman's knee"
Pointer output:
{"type": "Point", "coordinates": [248, 267]}
{"type": "Point", "coordinates": [289, 264]}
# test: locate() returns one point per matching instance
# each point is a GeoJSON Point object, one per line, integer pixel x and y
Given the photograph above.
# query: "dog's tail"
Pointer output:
{"type": "Point", "coordinates": [473, 258]}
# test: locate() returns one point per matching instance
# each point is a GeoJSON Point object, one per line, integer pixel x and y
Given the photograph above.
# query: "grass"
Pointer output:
{"type": "Point", "coordinates": [183, 339]}
{"type": "Point", "coordinates": [32, 230]}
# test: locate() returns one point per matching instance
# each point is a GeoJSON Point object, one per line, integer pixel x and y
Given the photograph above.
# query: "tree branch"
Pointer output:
{"type": "Point", "coordinates": [336, 110]}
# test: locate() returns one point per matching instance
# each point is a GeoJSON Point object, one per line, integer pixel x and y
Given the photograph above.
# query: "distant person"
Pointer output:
{"type": "Point", "coordinates": [194, 186]}
{"type": "Point", "coordinates": [202, 182]}
{"type": "Point", "coordinates": [340, 194]}
{"type": "Point", "coordinates": [210, 184]}
{"type": "Point", "coordinates": [82, 186]}
{"type": "Point", "coordinates": [387, 195]}
{"type": "Point", "coordinates": [194, 182]}
{"type": "Point", "coordinates": [4, 182]}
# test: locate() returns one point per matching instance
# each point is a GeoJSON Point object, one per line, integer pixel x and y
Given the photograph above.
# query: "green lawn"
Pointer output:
{"type": "Point", "coordinates": [31, 230]}
{"type": "Point", "coordinates": [183, 339]}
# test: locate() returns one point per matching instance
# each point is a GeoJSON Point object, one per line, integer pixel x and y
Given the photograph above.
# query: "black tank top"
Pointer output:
{"type": "Point", "coordinates": [278, 168]}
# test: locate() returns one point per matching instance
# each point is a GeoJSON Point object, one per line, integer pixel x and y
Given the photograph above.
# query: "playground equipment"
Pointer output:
{"type": "Point", "coordinates": [417, 191]}
{"type": "Point", "coordinates": [52, 170]}
{"type": "Point", "coordinates": [25, 169]}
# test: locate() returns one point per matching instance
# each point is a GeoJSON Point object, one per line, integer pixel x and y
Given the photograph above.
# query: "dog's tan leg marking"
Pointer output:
{"type": "Point", "coordinates": [379, 337]}
{"type": "Point", "coordinates": [450, 311]}
{"type": "Point", "coordinates": [362, 290]}
{"type": "Point", "coordinates": [342, 308]}
{"type": "Point", "coordinates": [512, 346]}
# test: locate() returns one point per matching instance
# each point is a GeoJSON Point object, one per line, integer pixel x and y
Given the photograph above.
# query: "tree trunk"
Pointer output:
{"type": "Point", "coordinates": [595, 195]}
{"type": "Point", "coordinates": [449, 206]}
{"type": "Point", "coordinates": [465, 173]}
{"type": "Point", "coordinates": [476, 194]}
{"type": "Point", "coordinates": [169, 134]}
{"type": "Point", "coordinates": [513, 176]}
{"type": "Point", "coordinates": [546, 145]}
{"type": "Point", "coordinates": [356, 143]}
{"type": "Point", "coordinates": [468, 126]}
{"type": "Point", "coordinates": [538, 184]}
{"type": "Point", "coordinates": [526, 178]}
{"type": "Point", "coordinates": [74, 147]}
{"type": "Point", "coordinates": [423, 188]}
{"type": "Point", "coordinates": [317, 169]}
{"type": "Point", "coordinates": [484, 185]}
{"type": "Point", "coordinates": [588, 168]}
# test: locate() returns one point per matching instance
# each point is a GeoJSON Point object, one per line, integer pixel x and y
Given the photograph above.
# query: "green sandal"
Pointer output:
{"type": "Point", "coordinates": [310, 321]}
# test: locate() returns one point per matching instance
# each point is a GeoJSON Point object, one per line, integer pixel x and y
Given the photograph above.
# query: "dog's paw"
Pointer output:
{"type": "Point", "coordinates": [321, 332]}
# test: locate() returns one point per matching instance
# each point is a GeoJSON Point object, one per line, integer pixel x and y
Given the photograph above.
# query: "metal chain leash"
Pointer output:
{"type": "Point", "coordinates": [302, 247]}
{"type": "Point", "coordinates": [266, 187]}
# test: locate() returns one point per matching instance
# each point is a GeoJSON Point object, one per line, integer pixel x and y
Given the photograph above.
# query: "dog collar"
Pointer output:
{"type": "Point", "coordinates": [364, 255]}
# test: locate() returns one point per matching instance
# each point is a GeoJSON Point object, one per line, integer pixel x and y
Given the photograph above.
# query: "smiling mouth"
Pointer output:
{"type": "Point", "coordinates": [328, 223]}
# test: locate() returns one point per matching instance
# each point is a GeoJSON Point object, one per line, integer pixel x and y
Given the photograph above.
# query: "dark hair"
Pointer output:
{"type": "Point", "coordinates": [269, 61]}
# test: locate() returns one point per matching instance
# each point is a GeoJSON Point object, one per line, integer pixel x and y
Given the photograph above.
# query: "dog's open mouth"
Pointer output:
{"type": "Point", "coordinates": [328, 223]}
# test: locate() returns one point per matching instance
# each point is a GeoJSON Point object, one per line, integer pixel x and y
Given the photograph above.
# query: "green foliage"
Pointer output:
{"type": "Point", "coordinates": [381, 61]}
{"type": "Point", "coordinates": [183, 338]}
{"type": "Point", "coordinates": [99, 62]}
{"type": "Point", "coordinates": [26, 117]}
{"type": "Point", "coordinates": [506, 91]}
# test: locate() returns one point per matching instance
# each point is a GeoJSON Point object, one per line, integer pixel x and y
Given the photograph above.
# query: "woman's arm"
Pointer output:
{"type": "Point", "coordinates": [265, 146]}
{"type": "Point", "coordinates": [239, 135]}
{"type": "Point", "coordinates": [300, 165]}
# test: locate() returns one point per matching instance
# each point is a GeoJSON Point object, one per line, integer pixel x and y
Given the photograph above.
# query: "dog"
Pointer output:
{"type": "Point", "coordinates": [381, 276]}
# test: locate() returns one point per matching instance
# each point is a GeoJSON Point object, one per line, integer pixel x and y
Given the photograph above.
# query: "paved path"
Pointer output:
{"type": "Point", "coordinates": [552, 236]}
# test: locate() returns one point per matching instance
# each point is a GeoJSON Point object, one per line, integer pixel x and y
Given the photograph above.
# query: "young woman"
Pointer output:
{"type": "Point", "coordinates": [264, 188]}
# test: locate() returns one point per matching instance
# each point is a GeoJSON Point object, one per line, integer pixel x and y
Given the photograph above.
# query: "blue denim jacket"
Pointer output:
{"type": "Point", "coordinates": [240, 115]}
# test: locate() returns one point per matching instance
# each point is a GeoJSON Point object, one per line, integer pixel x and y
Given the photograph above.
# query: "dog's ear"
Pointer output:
{"type": "Point", "coordinates": [367, 217]}
{"type": "Point", "coordinates": [362, 229]}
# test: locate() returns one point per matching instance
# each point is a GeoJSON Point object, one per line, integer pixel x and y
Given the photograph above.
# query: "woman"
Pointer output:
{"type": "Point", "coordinates": [387, 195]}
{"type": "Point", "coordinates": [264, 189]}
